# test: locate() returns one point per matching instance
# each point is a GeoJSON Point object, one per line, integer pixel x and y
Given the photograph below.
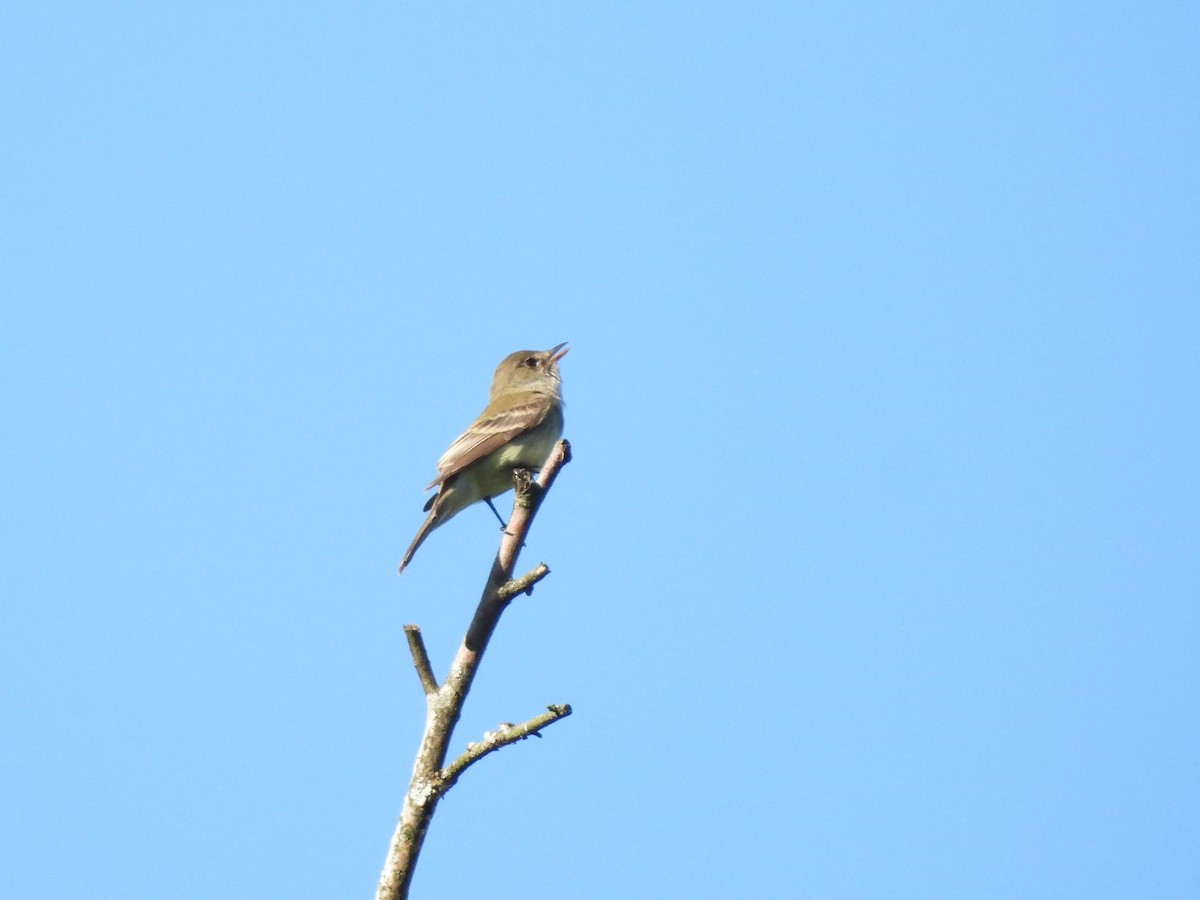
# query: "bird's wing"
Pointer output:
{"type": "Point", "coordinates": [489, 432]}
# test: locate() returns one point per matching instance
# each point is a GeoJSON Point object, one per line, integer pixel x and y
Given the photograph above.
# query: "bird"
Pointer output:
{"type": "Point", "coordinates": [516, 430]}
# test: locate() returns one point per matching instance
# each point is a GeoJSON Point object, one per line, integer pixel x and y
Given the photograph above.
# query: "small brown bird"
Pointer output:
{"type": "Point", "coordinates": [517, 429]}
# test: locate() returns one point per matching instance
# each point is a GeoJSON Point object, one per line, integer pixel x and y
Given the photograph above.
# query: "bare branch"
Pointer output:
{"type": "Point", "coordinates": [491, 604]}
{"type": "Point", "coordinates": [444, 703]}
{"type": "Point", "coordinates": [416, 646]}
{"type": "Point", "coordinates": [524, 584]}
{"type": "Point", "coordinates": [503, 736]}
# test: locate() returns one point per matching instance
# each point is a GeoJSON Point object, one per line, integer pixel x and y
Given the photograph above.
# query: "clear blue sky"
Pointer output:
{"type": "Point", "coordinates": [875, 575]}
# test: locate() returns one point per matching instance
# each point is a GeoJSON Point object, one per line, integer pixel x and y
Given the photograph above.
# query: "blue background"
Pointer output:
{"type": "Point", "coordinates": [875, 574]}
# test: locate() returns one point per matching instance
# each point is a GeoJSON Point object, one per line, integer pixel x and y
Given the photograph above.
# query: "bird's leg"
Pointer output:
{"type": "Point", "coordinates": [503, 524]}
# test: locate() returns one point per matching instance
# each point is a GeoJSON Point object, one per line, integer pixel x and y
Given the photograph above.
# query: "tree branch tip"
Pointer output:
{"type": "Point", "coordinates": [420, 657]}
{"type": "Point", "coordinates": [524, 584]}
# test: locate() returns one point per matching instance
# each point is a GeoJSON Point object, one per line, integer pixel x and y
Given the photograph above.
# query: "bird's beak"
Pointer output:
{"type": "Point", "coordinates": [555, 356]}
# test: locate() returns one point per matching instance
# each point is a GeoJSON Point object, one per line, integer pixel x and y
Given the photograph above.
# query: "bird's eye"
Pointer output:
{"type": "Point", "coordinates": [530, 361]}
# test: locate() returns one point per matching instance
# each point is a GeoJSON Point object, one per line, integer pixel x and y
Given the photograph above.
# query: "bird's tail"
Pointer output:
{"type": "Point", "coordinates": [432, 521]}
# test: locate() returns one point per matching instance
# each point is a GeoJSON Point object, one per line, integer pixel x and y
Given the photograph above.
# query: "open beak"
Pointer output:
{"type": "Point", "coordinates": [555, 355]}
